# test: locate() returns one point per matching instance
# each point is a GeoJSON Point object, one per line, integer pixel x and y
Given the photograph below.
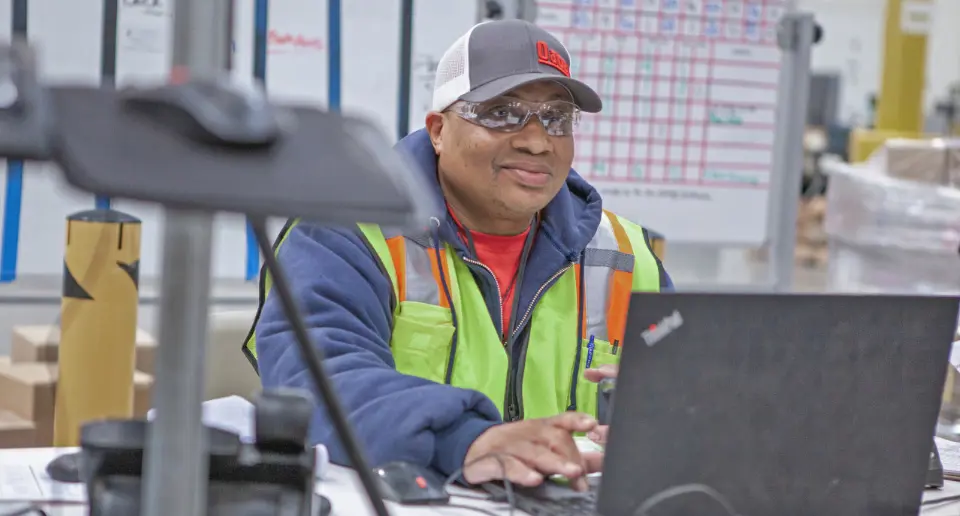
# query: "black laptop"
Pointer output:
{"type": "Point", "coordinates": [760, 404]}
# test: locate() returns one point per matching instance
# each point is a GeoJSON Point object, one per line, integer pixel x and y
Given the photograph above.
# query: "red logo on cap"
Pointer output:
{"type": "Point", "coordinates": [552, 58]}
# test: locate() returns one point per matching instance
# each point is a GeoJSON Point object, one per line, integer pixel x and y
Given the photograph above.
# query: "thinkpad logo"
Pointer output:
{"type": "Point", "coordinates": [656, 332]}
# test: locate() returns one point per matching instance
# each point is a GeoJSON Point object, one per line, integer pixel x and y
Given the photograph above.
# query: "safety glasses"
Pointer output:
{"type": "Point", "coordinates": [509, 115]}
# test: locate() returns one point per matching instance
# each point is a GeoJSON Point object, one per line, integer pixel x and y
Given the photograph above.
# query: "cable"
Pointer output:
{"type": "Point", "coordinates": [499, 457]}
{"type": "Point", "coordinates": [673, 492]}
{"type": "Point", "coordinates": [946, 499]}
{"type": "Point", "coordinates": [313, 358]}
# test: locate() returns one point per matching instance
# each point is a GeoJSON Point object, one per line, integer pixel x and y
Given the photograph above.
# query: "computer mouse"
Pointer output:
{"type": "Point", "coordinates": [409, 484]}
{"type": "Point", "coordinates": [209, 112]}
{"type": "Point", "coordinates": [65, 468]}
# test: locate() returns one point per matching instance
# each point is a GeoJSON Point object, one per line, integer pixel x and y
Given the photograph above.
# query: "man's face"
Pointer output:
{"type": "Point", "coordinates": [504, 173]}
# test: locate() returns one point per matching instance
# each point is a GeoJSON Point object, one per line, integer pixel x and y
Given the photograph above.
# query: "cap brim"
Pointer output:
{"type": "Point", "coordinates": [583, 95]}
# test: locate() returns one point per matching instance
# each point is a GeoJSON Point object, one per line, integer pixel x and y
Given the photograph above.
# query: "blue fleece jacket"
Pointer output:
{"type": "Point", "coordinates": [345, 298]}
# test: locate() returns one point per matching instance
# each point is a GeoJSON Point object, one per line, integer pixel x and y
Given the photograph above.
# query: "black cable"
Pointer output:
{"type": "Point", "coordinates": [458, 474]}
{"type": "Point", "coordinates": [954, 498]}
{"type": "Point", "coordinates": [313, 358]}
{"type": "Point", "coordinates": [685, 489]}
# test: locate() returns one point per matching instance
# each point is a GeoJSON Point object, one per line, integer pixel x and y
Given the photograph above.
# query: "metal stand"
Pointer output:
{"type": "Point", "coordinates": [176, 460]}
{"type": "Point", "coordinates": [795, 38]}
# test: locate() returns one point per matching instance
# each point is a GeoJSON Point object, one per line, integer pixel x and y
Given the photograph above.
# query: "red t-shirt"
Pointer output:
{"type": "Point", "coordinates": [501, 254]}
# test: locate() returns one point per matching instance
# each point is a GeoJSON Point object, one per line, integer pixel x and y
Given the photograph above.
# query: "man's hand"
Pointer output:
{"type": "Point", "coordinates": [599, 434]}
{"type": "Point", "coordinates": [526, 451]}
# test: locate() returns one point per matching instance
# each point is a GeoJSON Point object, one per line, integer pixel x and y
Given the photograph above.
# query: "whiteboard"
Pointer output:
{"type": "Point", "coordinates": [448, 20]}
{"type": "Point", "coordinates": [684, 145]}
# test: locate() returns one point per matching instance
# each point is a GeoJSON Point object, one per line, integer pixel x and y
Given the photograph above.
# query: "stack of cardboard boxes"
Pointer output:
{"type": "Point", "coordinates": [28, 383]}
{"type": "Point", "coordinates": [811, 248]}
{"type": "Point", "coordinates": [935, 161]}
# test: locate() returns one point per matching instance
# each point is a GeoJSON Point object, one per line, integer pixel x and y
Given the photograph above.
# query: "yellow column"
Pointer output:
{"type": "Point", "coordinates": [98, 321]}
{"type": "Point", "coordinates": [900, 106]}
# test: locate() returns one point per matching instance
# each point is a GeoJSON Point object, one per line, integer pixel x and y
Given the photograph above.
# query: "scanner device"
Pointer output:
{"type": "Point", "coordinates": [212, 112]}
{"type": "Point", "coordinates": [26, 124]}
{"type": "Point", "coordinates": [274, 476]}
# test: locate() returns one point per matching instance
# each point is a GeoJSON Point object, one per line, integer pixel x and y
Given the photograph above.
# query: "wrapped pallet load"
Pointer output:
{"type": "Point", "coordinates": [893, 222]}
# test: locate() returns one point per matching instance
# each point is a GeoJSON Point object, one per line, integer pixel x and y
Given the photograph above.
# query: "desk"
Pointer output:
{"type": "Point", "coordinates": [344, 491]}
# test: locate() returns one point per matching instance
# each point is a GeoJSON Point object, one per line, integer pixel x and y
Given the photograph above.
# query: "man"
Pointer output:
{"type": "Point", "coordinates": [468, 344]}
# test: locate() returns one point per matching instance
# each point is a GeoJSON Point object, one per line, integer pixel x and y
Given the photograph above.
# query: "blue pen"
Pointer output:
{"type": "Point", "coordinates": [590, 352]}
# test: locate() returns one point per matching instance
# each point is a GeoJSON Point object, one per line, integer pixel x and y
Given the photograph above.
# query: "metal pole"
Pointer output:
{"type": "Point", "coordinates": [176, 469]}
{"type": "Point", "coordinates": [334, 78]}
{"type": "Point", "coordinates": [795, 38]}
{"type": "Point", "coordinates": [108, 63]}
{"type": "Point", "coordinates": [406, 65]}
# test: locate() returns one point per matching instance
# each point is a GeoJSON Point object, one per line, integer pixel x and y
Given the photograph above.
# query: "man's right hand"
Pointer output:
{"type": "Point", "coordinates": [526, 451]}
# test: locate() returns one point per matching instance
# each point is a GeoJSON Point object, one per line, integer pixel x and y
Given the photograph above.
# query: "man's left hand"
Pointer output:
{"type": "Point", "coordinates": [596, 375]}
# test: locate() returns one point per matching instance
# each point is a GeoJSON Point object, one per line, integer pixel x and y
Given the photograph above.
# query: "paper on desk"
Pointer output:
{"type": "Point", "coordinates": [28, 482]}
{"type": "Point", "coordinates": [235, 414]}
{"type": "Point", "coordinates": [949, 455]}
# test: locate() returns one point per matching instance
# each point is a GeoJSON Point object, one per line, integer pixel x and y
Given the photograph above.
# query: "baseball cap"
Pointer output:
{"type": "Point", "coordinates": [495, 57]}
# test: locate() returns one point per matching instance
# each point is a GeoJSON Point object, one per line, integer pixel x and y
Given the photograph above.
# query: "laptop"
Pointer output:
{"type": "Point", "coordinates": [758, 404]}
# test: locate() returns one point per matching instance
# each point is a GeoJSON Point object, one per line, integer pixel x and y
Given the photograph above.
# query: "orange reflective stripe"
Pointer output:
{"type": "Point", "coordinates": [398, 253]}
{"type": "Point", "coordinates": [444, 302]}
{"type": "Point", "coordinates": [623, 241]}
{"type": "Point", "coordinates": [621, 285]}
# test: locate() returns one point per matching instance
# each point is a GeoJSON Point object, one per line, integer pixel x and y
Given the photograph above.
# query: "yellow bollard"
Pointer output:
{"type": "Point", "coordinates": [98, 321]}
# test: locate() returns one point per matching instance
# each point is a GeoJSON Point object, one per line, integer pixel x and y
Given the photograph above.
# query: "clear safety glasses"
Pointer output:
{"type": "Point", "coordinates": [509, 115]}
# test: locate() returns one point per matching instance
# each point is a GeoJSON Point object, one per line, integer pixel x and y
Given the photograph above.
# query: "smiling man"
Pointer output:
{"type": "Point", "coordinates": [475, 343]}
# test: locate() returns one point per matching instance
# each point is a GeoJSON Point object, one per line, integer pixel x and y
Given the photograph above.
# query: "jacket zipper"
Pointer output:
{"type": "Point", "coordinates": [503, 340]}
{"type": "Point", "coordinates": [513, 402]}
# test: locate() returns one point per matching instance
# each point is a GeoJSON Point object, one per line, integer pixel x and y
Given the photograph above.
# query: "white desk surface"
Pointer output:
{"type": "Point", "coordinates": [345, 493]}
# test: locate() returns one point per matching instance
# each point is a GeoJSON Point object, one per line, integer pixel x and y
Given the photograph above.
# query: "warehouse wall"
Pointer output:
{"type": "Point", "coordinates": [853, 46]}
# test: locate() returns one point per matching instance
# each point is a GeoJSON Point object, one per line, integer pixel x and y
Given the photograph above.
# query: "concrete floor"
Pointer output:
{"type": "Point", "coordinates": [35, 300]}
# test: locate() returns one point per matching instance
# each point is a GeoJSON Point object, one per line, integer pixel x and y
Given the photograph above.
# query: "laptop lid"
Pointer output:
{"type": "Point", "coordinates": [758, 404]}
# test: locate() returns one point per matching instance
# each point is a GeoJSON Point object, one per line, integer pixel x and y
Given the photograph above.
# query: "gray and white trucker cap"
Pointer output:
{"type": "Point", "coordinates": [495, 57]}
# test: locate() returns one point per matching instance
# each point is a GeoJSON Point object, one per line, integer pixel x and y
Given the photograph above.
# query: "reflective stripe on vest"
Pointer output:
{"type": "Point", "coordinates": [607, 274]}
{"type": "Point", "coordinates": [417, 270]}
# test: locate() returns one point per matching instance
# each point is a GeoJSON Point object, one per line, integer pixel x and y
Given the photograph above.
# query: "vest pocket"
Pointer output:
{"type": "Point", "coordinates": [602, 354]}
{"type": "Point", "coordinates": [421, 339]}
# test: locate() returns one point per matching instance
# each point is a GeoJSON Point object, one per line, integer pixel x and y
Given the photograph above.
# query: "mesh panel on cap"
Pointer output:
{"type": "Point", "coordinates": [453, 73]}
{"type": "Point", "coordinates": [451, 65]}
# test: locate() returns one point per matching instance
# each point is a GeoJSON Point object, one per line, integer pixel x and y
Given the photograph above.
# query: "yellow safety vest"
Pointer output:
{"type": "Point", "coordinates": [618, 261]}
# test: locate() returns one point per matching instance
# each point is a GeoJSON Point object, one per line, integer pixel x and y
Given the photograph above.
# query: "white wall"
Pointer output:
{"type": "Point", "coordinates": [853, 46]}
{"type": "Point", "coordinates": [68, 34]}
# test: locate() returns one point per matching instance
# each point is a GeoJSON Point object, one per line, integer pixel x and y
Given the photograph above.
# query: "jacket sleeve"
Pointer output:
{"type": "Point", "coordinates": [345, 299]}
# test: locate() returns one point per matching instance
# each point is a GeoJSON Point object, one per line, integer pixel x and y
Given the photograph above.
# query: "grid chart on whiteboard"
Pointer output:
{"type": "Point", "coordinates": [689, 88]}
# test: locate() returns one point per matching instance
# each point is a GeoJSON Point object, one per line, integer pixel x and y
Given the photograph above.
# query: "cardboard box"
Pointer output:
{"type": "Point", "coordinates": [41, 343]}
{"type": "Point", "coordinates": [28, 392]}
{"type": "Point", "coordinates": [935, 161]}
{"type": "Point", "coordinates": [15, 432]}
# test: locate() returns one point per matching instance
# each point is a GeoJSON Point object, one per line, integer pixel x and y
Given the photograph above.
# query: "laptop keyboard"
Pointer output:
{"type": "Point", "coordinates": [550, 499]}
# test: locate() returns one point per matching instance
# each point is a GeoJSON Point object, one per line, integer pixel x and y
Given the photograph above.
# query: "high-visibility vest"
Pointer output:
{"type": "Point", "coordinates": [618, 261]}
